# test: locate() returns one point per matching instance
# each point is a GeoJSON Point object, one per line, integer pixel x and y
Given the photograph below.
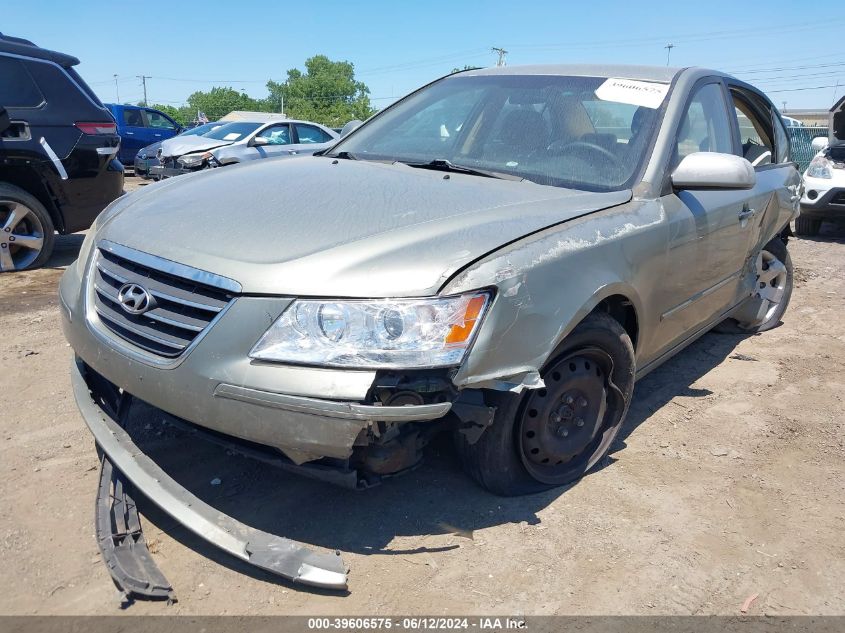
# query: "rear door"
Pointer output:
{"type": "Point", "coordinates": [310, 138]}
{"type": "Point", "coordinates": [708, 229]}
{"type": "Point", "coordinates": [133, 133]}
{"type": "Point", "coordinates": [761, 139]}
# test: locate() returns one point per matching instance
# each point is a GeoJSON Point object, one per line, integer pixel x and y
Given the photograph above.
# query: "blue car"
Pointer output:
{"type": "Point", "coordinates": [139, 127]}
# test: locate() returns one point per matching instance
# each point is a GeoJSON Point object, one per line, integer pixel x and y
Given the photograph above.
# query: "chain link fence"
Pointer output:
{"type": "Point", "coordinates": [801, 138]}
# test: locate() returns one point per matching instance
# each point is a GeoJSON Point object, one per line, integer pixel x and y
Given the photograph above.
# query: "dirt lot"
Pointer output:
{"type": "Point", "coordinates": [728, 480]}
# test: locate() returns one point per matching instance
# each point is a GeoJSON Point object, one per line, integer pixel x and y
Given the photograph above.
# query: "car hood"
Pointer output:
{"type": "Point", "coordinates": [179, 145]}
{"type": "Point", "coordinates": [149, 151]}
{"type": "Point", "coordinates": [315, 226]}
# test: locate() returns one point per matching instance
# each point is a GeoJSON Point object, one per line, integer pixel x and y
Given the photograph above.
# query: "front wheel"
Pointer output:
{"type": "Point", "coordinates": [553, 436]}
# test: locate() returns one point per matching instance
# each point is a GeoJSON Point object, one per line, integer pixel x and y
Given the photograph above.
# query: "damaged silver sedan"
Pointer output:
{"type": "Point", "coordinates": [499, 255]}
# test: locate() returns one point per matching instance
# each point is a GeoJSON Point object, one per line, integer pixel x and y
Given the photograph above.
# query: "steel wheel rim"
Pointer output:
{"type": "Point", "coordinates": [562, 425]}
{"type": "Point", "coordinates": [772, 278]}
{"type": "Point", "coordinates": [21, 236]}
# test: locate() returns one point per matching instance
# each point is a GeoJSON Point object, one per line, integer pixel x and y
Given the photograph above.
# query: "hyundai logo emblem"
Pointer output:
{"type": "Point", "coordinates": [134, 299]}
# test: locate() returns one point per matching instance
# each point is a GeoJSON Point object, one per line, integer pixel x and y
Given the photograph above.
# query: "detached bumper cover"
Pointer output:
{"type": "Point", "coordinates": [276, 554]}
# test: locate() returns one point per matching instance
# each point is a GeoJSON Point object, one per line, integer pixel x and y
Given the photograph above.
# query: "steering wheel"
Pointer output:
{"type": "Point", "coordinates": [560, 147]}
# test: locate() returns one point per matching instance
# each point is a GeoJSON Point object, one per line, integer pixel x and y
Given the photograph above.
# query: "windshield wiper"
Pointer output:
{"type": "Point", "coordinates": [442, 164]}
{"type": "Point", "coordinates": [344, 155]}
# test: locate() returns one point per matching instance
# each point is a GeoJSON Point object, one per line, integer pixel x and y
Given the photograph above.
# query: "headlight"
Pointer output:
{"type": "Point", "coordinates": [193, 160]}
{"type": "Point", "coordinates": [819, 168]}
{"type": "Point", "coordinates": [384, 333]}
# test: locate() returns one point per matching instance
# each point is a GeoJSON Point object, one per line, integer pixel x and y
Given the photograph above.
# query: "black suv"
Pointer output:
{"type": "Point", "coordinates": [57, 152]}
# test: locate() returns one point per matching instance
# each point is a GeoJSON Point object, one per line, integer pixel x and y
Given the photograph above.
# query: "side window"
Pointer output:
{"type": "Point", "coordinates": [755, 133]}
{"type": "Point", "coordinates": [17, 88]}
{"type": "Point", "coordinates": [133, 118]}
{"type": "Point", "coordinates": [311, 134]}
{"type": "Point", "coordinates": [159, 121]}
{"type": "Point", "coordinates": [782, 150]}
{"type": "Point", "coordinates": [705, 127]}
{"type": "Point", "coordinates": [276, 134]}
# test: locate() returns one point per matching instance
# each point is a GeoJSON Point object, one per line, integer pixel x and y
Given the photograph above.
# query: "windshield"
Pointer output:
{"type": "Point", "coordinates": [580, 132]}
{"type": "Point", "coordinates": [201, 129]}
{"type": "Point", "coordinates": [233, 131]}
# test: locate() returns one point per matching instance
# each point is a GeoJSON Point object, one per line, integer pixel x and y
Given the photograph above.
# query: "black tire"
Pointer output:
{"type": "Point", "coordinates": [500, 459]}
{"type": "Point", "coordinates": [807, 227]}
{"type": "Point", "coordinates": [778, 249]}
{"type": "Point", "coordinates": [36, 223]}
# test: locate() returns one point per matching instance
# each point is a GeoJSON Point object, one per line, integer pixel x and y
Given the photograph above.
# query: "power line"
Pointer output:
{"type": "Point", "coordinates": [783, 68]}
{"type": "Point", "coordinates": [802, 89]}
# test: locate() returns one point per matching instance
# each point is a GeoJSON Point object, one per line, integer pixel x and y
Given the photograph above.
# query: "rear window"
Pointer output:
{"type": "Point", "coordinates": [17, 88]}
{"type": "Point", "coordinates": [85, 88]}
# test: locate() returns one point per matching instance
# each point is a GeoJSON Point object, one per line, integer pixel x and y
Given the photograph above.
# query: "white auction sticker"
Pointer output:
{"type": "Point", "coordinates": [639, 93]}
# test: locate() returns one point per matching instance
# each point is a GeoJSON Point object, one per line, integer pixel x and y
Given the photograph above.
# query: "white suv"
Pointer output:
{"type": "Point", "coordinates": [824, 180]}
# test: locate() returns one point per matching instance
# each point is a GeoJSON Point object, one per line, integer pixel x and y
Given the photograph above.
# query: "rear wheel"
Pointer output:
{"type": "Point", "coordinates": [807, 227]}
{"type": "Point", "coordinates": [774, 290]}
{"type": "Point", "coordinates": [552, 436]}
{"type": "Point", "coordinates": [26, 230]}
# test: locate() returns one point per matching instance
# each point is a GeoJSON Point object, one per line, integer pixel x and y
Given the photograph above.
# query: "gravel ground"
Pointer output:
{"type": "Point", "coordinates": [727, 481]}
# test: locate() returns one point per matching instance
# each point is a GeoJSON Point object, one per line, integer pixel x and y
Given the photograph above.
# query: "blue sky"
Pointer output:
{"type": "Point", "coordinates": [398, 46]}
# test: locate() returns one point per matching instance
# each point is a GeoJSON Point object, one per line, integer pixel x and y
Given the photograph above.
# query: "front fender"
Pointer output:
{"type": "Point", "coordinates": [548, 282]}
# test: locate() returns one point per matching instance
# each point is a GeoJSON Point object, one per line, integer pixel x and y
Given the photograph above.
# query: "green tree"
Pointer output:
{"type": "Point", "coordinates": [326, 92]}
{"type": "Point", "coordinates": [219, 102]}
{"type": "Point", "coordinates": [182, 115]}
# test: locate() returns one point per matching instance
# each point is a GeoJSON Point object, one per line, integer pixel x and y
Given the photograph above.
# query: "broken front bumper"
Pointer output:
{"type": "Point", "coordinates": [306, 412]}
{"type": "Point", "coordinates": [274, 553]}
{"type": "Point", "coordinates": [160, 171]}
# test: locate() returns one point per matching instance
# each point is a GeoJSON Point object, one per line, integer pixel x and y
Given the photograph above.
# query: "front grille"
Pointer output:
{"type": "Point", "coordinates": [182, 308]}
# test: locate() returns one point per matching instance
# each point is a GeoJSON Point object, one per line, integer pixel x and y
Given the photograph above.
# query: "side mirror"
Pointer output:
{"type": "Point", "coordinates": [350, 127]}
{"type": "Point", "coordinates": [259, 141]}
{"type": "Point", "coordinates": [4, 120]}
{"type": "Point", "coordinates": [712, 170]}
{"type": "Point", "coordinates": [818, 143]}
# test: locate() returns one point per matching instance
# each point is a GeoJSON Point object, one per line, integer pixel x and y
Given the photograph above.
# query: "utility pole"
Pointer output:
{"type": "Point", "coordinates": [668, 48]}
{"type": "Point", "coordinates": [501, 52]}
{"type": "Point", "coordinates": [784, 107]}
{"type": "Point", "coordinates": [143, 79]}
{"type": "Point", "coordinates": [116, 89]}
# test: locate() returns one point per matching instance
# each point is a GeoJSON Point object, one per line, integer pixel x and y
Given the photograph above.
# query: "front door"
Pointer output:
{"type": "Point", "coordinates": [708, 229]}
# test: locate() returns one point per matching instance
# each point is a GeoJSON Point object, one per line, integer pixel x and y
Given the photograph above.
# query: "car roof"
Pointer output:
{"type": "Point", "coordinates": [25, 48]}
{"type": "Point", "coordinates": [645, 73]}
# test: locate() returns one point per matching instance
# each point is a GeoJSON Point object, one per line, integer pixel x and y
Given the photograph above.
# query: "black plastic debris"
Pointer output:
{"type": "Point", "coordinates": [121, 540]}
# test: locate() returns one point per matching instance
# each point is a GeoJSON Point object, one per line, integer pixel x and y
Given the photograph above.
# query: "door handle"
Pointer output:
{"type": "Point", "coordinates": [747, 213]}
{"type": "Point", "coordinates": [129, 133]}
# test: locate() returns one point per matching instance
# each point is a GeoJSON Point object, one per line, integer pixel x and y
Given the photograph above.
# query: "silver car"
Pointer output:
{"type": "Point", "coordinates": [499, 255]}
{"type": "Point", "coordinates": [241, 141]}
